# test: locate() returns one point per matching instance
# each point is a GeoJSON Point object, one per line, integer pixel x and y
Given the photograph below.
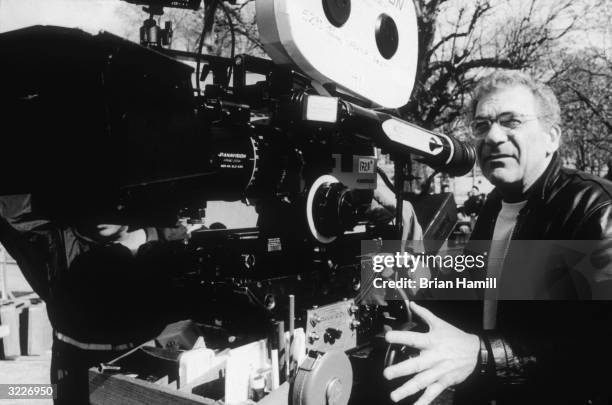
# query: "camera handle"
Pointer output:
{"type": "Point", "coordinates": [152, 35]}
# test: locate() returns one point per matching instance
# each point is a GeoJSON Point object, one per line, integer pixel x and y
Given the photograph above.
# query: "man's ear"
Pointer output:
{"type": "Point", "coordinates": [553, 139]}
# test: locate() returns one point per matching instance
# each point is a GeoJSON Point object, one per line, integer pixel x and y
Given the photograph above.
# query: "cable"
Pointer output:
{"type": "Point", "coordinates": [207, 20]}
{"type": "Point", "coordinates": [385, 178]}
{"type": "Point", "coordinates": [233, 35]}
{"type": "Point", "coordinates": [427, 186]}
{"type": "Point", "coordinates": [406, 300]}
{"type": "Point", "coordinates": [200, 45]}
{"type": "Point", "coordinates": [365, 287]}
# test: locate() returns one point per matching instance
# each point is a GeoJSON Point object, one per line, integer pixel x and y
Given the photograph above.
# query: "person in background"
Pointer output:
{"type": "Point", "coordinates": [106, 286]}
{"type": "Point", "coordinates": [475, 201]}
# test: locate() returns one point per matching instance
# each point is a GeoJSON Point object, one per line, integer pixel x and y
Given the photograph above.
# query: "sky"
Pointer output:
{"type": "Point", "coordinates": [89, 15]}
{"type": "Point", "coordinates": [95, 15]}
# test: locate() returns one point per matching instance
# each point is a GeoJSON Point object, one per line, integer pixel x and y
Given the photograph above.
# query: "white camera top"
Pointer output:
{"type": "Point", "coordinates": [366, 47]}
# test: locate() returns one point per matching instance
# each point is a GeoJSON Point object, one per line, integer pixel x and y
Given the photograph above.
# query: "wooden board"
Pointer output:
{"type": "Point", "coordinates": [38, 338]}
{"type": "Point", "coordinates": [9, 315]}
{"type": "Point", "coordinates": [112, 389]}
{"type": "Point", "coordinates": [4, 331]}
{"type": "Point", "coordinates": [241, 362]}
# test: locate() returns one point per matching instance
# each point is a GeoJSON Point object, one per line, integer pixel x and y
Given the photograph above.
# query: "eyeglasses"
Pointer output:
{"type": "Point", "coordinates": [482, 126]}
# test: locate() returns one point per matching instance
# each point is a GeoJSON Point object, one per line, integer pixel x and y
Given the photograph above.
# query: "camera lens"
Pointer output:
{"type": "Point", "coordinates": [337, 11]}
{"type": "Point", "coordinates": [387, 37]}
{"type": "Point", "coordinates": [332, 209]}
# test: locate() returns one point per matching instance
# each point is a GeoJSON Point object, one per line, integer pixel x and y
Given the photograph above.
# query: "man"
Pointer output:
{"type": "Point", "coordinates": [524, 351]}
{"type": "Point", "coordinates": [475, 201]}
{"type": "Point", "coordinates": [107, 287]}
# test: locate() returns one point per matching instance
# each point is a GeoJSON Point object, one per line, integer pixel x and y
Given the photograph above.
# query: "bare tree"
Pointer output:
{"type": "Point", "coordinates": [231, 20]}
{"type": "Point", "coordinates": [582, 78]}
{"type": "Point", "coordinates": [582, 83]}
{"type": "Point", "coordinates": [458, 40]}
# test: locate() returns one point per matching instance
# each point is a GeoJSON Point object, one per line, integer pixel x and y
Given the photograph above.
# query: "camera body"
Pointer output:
{"type": "Point", "coordinates": [120, 135]}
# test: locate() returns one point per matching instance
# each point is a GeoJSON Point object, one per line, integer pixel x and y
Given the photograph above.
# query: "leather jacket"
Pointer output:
{"type": "Point", "coordinates": [553, 339]}
{"type": "Point", "coordinates": [564, 204]}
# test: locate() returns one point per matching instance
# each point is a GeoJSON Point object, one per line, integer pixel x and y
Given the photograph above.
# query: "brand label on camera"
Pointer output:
{"type": "Point", "coordinates": [366, 165]}
{"type": "Point", "coordinates": [230, 160]}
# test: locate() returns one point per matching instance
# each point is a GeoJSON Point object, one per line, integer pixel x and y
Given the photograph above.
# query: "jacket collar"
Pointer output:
{"type": "Point", "coordinates": [484, 228]}
{"type": "Point", "coordinates": [542, 187]}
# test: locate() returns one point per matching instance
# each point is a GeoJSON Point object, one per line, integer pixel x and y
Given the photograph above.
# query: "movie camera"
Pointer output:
{"type": "Point", "coordinates": [116, 131]}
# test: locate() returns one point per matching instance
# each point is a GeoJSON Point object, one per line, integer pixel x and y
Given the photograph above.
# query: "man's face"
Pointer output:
{"type": "Point", "coordinates": [109, 230]}
{"type": "Point", "coordinates": [102, 233]}
{"type": "Point", "coordinates": [515, 155]}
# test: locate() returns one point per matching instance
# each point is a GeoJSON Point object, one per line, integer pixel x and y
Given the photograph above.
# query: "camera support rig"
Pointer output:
{"type": "Point", "coordinates": [153, 36]}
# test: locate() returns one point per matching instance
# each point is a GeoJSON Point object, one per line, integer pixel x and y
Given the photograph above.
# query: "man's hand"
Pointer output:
{"type": "Point", "coordinates": [131, 240]}
{"type": "Point", "coordinates": [448, 356]}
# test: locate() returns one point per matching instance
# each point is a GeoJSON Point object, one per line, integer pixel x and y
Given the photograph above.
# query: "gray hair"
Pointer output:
{"type": "Point", "coordinates": [546, 101]}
